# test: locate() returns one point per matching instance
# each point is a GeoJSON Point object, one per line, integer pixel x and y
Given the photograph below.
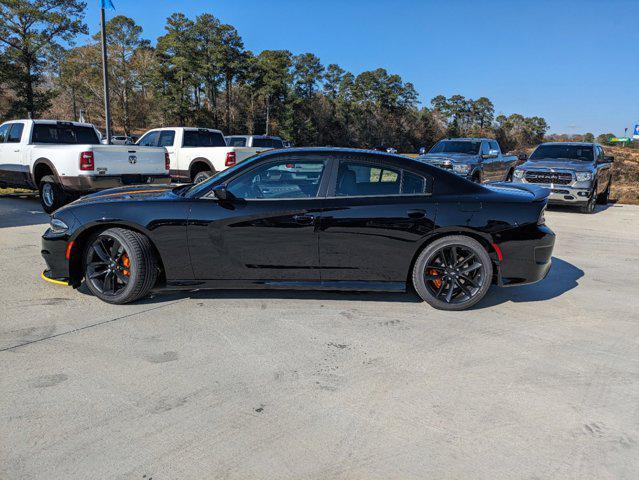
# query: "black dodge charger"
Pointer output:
{"type": "Point", "coordinates": [312, 218]}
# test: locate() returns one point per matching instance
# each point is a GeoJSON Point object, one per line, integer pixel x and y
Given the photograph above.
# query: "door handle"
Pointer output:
{"type": "Point", "coordinates": [304, 219]}
{"type": "Point", "coordinates": [417, 213]}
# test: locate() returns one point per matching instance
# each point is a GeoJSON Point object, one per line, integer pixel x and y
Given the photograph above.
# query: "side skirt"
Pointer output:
{"type": "Point", "coordinates": [285, 285]}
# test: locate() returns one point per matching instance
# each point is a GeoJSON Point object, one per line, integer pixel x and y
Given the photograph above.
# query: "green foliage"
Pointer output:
{"type": "Point", "coordinates": [28, 29]}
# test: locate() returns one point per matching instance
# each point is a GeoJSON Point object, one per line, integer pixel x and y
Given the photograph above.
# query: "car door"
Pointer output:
{"type": "Point", "coordinates": [603, 169]}
{"type": "Point", "coordinates": [375, 216]}
{"type": "Point", "coordinates": [267, 229]}
{"type": "Point", "coordinates": [166, 139]}
{"type": "Point", "coordinates": [501, 166]}
{"type": "Point", "coordinates": [15, 168]}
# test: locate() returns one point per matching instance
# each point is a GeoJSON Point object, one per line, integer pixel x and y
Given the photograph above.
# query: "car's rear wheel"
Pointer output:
{"type": "Point", "coordinates": [453, 273]}
{"type": "Point", "coordinates": [52, 196]}
{"type": "Point", "coordinates": [120, 266]}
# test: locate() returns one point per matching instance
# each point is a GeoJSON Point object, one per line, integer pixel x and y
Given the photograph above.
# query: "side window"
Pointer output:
{"type": "Point", "coordinates": [412, 184]}
{"type": "Point", "coordinates": [600, 154]}
{"type": "Point", "coordinates": [4, 131]}
{"type": "Point", "coordinates": [166, 138]}
{"type": "Point", "coordinates": [281, 179]}
{"type": "Point", "coordinates": [15, 134]}
{"type": "Point", "coordinates": [494, 146]}
{"type": "Point", "coordinates": [149, 140]}
{"type": "Point", "coordinates": [357, 179]}
{"type": "Point", "coordinates": [485, 148]}
{"type": "Point", "coordinates": [236, 142]}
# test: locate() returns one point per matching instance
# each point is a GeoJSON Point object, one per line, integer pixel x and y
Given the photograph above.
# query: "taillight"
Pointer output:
{"type": "Point", "coordinates": [230, 159]}
{"type": "Point", "coordinates": [167, 162]}
{"type": "Point", "coordinates": [86, 161]}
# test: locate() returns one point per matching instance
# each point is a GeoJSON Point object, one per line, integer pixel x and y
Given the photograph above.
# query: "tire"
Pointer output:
{"type": "Point", "coordinates": [202, 176]}
{"type": "Point", "coordinates": [509, 176]}
{"type": "Point", "coordinates": [604, 197]}
{"type": "Point", "coordinates": [52, 196]}
{"type": "Point", "coordinates": [476, 178]}
{"type": "Point", "coordinates": [463, 294]}
{"type": "Point", "coordinates": [589, 207]}
{"type": "Point", "coordinates": [129, 280]}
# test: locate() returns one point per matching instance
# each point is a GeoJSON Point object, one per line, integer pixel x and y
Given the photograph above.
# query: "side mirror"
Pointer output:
{"type": "Point", "coordinates": [422, 150]}
{"type": "Point", "coordinates": [523, 157]}
{"type": "Point", "coordinates": [221, 193]}
{"type": "Point", "coordinates": [609, 159]}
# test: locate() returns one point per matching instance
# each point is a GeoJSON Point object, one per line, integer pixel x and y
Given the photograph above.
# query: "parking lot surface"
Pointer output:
{"type": "Point", "coordinates": [536, 381]}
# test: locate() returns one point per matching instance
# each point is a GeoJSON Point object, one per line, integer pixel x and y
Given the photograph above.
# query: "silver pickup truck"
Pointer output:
{"type": "Point", "coordinates": [576, 173]}
{"type": "Point", "coordinates": [478, 159]}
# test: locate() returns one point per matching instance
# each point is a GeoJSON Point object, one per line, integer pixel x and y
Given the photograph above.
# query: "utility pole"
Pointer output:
{"type": "Point", "coordinates": [105, 72]}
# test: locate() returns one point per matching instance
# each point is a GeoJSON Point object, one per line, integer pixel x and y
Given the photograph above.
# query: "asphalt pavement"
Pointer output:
{"type": "Point", "coordinates": [538, 381]}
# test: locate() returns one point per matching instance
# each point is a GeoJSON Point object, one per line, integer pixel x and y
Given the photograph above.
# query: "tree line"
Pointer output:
{"type": "Point", "coordinates": [199, 73]}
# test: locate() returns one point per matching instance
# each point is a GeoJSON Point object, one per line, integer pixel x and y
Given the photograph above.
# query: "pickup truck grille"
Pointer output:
{"type": "Point", "coordinates": [444, 165]}
{"type": "Point", "coordinates": [557, 178]}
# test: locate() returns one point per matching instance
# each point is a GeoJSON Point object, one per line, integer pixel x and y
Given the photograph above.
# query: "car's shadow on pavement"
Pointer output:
{"type": "Point", "coordinates": [573, 209]}
{"type": "Point", "coordinates": [563, 276]}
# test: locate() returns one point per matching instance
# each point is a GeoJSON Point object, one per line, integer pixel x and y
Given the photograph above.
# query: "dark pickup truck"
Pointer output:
{"type": "Point", "coordinates": [478, 159]}
{"type": "Point", "coordinates": [576, 173]}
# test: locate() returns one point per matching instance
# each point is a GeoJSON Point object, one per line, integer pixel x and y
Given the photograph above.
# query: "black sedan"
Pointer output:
{"type": "Point", "coordinates": [313, 218]}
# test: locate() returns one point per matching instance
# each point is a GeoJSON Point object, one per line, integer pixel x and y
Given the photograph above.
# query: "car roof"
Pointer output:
{"type": "Point", "coordinates": [253, 136]}
{"type": "Point", "coordinates": [469, 139]}
{"type": "Point", "coordinates": [328, 150]}
{"type": "Point", "coordinates": [582, 144]}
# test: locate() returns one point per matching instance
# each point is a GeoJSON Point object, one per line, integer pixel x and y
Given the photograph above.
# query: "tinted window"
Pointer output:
{"type": "Point", "coordinates": [149, 140]}
{"type": "Point", "coordinates": [66, 134]}
{"type": "Point", "coordinates": [412, 184]}
{"type": "Point", "coordinates": [236, 142]}
{"type": "Point", "coordinates": [15, 134]}
{"type": "Point", "coordinates": [166, 138]}
{"type": "Point", "coordinates": [4, 130]}
{"type": "Point", "coordinates": [355, 179]}
{"type": "Point", "coordinates": [485, 148]}
{"type": "Point", "coordinates": [268, 143]}
{"type": "Point", "coordinates": [494, 145]}
{"type": "Point", "coordinates": [282, 179]}
{"type": "Point", "coordinates": [203, 138]}
{"type": "Point", "coordinates": [563, 152]}
{"type": "Point", "coordinates": [452, 146]}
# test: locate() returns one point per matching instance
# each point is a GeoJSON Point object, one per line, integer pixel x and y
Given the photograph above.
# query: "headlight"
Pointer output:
{"type": "Point", "coordinates": [461, 168]}
{"type": "Point", "coordinates": [583, 176]}
{"type": "Point", "coordinates": [518, 173]}
{"type": "Point", "coordinates": [58, 226]}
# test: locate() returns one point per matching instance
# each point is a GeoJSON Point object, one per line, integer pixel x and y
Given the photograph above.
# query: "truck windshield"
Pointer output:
{"type": "Point", "coordinates": [203, 138]}
{"type": "Point", "coordinates": [563, 152]}
{"type": "Point", "coordinates": [448, 146]}
{"type": "Point", "coordinates": [66, 134]}
{"type": "Point", "coordinates": [268, 143]}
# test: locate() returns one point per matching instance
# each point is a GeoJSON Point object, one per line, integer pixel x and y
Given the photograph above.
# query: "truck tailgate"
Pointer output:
{"type": "Point", "coordinates": [128, 159]}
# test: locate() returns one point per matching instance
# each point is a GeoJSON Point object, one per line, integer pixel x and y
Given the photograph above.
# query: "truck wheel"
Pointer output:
{"type": "Point", "coordinates": [509, 176]}
{"type": "Point", "coordinates": [604, 197]}
{"type": "Point", "coordinates": [476, 177]}
{"type": "Point", "coordinates": [202, 176]}
{"type": "Point", "coordinates": [453, 273]}
{"type": "Point", "coordinates": [589, 207]}
{"type": "Point", "coordinates": [120, 266]}
{"type": "Point", "coordinates": [52, 195]}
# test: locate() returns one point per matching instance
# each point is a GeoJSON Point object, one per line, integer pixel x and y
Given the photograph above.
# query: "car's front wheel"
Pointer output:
{"type": "Point", "coordinates": [453, 273]}
{"type": "Point", "coordinates": [120, 266]}
{"type": "Point", "coordinates": [589, 206]}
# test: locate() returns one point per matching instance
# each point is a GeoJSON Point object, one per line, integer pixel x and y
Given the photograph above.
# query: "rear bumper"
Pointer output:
{"type": "Point", "coordinates": [527, 256]}
{"type": "Point", "coordinates": [568, 195]}
{"type": "Point", "coordinates": [93, 183]}
{"type": "Point", "coordinates": [53, 251]}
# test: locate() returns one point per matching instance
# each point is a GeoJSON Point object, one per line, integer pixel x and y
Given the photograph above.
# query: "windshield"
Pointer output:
{"type": "Point", "coordinates": [203, 138]}
{"type": "Point", "coordinates": [66, 134]}
{"type": "Point", "coordinates": [268, 143]}
{"type": "Point", "coordinates": [563, 152]}
{"type": "Point", "coordinates": [450, 146]}
{"type": "Point", "coordinates": [197, 188]}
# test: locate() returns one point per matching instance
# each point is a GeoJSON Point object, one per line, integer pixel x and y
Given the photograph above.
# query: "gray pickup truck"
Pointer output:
{"type": "Point", "coordinates": [478, 159]}
{"type": "Point", "coordinates": [576, 173]}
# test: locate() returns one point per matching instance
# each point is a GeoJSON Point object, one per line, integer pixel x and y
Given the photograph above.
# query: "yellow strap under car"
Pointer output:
{"type": "Point", "coordinates": [51, 280]}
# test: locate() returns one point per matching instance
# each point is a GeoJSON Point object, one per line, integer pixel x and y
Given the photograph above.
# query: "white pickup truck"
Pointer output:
{"type": "Point", "coordinates": [66, 159]}
{"type": "Point", "coordinates": [196, 153]}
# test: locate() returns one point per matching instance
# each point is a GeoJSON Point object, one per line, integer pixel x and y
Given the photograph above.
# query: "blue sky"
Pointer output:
{"type": "Point", "coordinates": [576, 63]}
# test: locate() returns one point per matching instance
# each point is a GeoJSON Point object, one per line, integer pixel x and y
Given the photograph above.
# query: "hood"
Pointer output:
{"type": "Point", "coordinates": [442, 157]}
{"type": "Point", "coordinates": [133, 193]}
{"type": "Point", "coordinates": [553, 163]}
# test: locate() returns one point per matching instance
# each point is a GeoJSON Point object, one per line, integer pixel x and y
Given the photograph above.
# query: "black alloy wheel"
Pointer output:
{"type": "Point", "coordinates": [589, 207]}
{"type": "Point", "coordinates": [453, 273]}
{"type": "Point", "coordinates": [120, 266]}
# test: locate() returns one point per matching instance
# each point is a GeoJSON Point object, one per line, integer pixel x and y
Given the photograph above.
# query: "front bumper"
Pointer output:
{"type": "Point", "coordinates": [94, 183]}
{"type": "Point", "coordinates": [527, 255]}
{"type": "Point", "coordinates": [576, 193]}
{"type": "Point", "coordinates": [54, 249]}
